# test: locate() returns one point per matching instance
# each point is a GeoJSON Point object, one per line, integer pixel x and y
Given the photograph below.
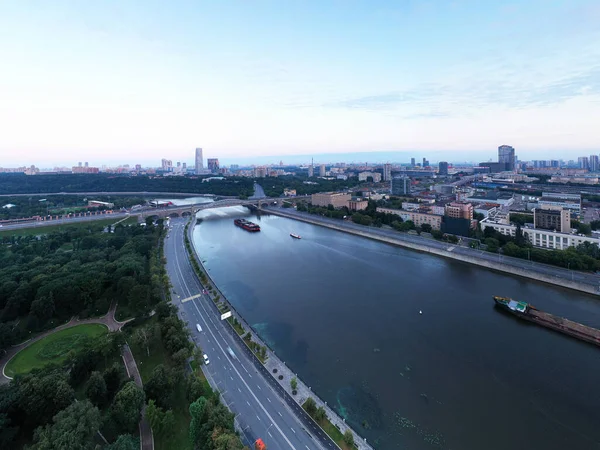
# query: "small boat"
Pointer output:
{"type": "Point", "coordinates": [295, 236]}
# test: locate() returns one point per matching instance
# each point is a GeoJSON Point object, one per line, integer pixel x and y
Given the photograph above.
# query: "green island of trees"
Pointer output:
{"type": "Point", "coordinates": [72, 384]}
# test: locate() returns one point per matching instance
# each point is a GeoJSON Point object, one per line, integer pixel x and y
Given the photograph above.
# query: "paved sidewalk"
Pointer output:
{"type": "Point", "coordinates": [146, 436]}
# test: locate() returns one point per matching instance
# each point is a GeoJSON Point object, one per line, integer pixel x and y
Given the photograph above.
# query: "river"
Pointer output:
{"type": "Point", "coordinates": [344, 313]}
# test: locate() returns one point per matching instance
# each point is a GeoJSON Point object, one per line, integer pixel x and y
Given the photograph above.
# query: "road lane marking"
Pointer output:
{"type": "Point", "coordinates": [269, 399]}
{"type": "Point", "coordinates": [292, 430]}
{"type": "Point", "coordinates": [190, 298]}
{"type": "Point", "coordinates": [259, 387]}
{"type": "Point", "coordinates": [279, 414]}
{"type": "Point", "coordinates": [184, 284]}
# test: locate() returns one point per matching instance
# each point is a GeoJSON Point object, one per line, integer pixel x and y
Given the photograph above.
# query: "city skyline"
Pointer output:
{"type": "Point", "coordinates": [252, 81]}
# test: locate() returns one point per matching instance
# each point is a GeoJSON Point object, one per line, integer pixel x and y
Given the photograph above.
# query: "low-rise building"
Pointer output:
{"type": "Point", "coordinates": [98, 204]}
{"type": "Point", "coordinates": [358, 204]}
{"type": "Point", "coordinates": [458, 210]}
{"type": "Point", "coordinates": [363, 176]}
{"type": "Point", "coordinates": [486, 209]}
{"type": "Point", "coordinates": [418, 218]}
{"type": "Point", "coordinates": [289, 192]}
{"type": "Point", "coordinates": [560, 200]}
{"type": "Point", "coordinates": [557, 219]}
{"type": "Point", "coordinates": [337, 199]}
{"type": "Point", "coordinates": [552, 240]}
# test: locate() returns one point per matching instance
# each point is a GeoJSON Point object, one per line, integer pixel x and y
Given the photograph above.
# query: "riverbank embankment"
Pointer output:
{"type": "Point", "coordinates": [513, 266]}
{"type": "Point", "coordinates": [276, 368]}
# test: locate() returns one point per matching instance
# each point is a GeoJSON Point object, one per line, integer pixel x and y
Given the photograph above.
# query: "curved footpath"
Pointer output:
{"type": "Point", "coordinates": [108, 320]}
{"type": "Point", "coordinates": [579, 281]}
{"type": "Point", "coordinates": [274, 362]}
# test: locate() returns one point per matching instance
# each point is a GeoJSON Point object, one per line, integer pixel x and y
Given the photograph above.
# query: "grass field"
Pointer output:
{"type": "Point", "coordinates": [37, 230]}
{"type": "Point", "coordinates": [53, 348]}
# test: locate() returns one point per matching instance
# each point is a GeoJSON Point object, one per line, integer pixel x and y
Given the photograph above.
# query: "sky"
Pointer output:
{"type": "Point", "coordinates": [135, 81]}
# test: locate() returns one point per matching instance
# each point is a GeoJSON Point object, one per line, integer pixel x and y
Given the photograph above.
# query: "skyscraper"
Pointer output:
{"type": "Point", "coordinates": [199, 161]}
{"type": "Point", "coordinates": [594, 163]}
{"type": "Point", "coordinates": [412, 162]}
{"type": "Point", "coordinates": [400, 185]}
{"type": "Point", "coordinates": [322, 171]}
{"type": "Point", "coordinates": [213, 164]}
{"type": "Point", "coordinates": [425, 163]}
{"type": "Point", "coordinates": [506, 155]}
{"type": "Point", "coordinates": [583, 162]}
{"type": "Point", "coordinates": [443, 168]}
{"type": "Point", "coordinates": [387, 172]}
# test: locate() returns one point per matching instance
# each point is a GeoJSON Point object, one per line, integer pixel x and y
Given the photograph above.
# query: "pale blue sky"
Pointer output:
{"type": "Point", "coordinates": [135, 81]}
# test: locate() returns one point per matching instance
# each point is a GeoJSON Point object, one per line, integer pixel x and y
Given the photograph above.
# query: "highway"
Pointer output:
{"type": "Point", "coordinates": [583, 277]}
{"type": "Point", "coordinates": [262, 411]}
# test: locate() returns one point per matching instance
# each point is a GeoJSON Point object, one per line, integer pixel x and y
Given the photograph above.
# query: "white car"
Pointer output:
{"type": "Point", "coordinates": [205, 357]}
{"type": "Point", "coordinates": [198, 327]}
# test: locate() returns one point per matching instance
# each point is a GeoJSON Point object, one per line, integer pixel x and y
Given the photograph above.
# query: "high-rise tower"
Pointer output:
{"type": "Point", "coordinates": [199, 161]}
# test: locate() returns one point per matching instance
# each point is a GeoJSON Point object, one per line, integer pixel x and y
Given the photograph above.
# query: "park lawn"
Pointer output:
{"type": "Point", "coordinates": [332, 431]}
{"type": "Point", "coordinates": [54, 348]}
{"type": "Point", "coordinates": [37, 230]}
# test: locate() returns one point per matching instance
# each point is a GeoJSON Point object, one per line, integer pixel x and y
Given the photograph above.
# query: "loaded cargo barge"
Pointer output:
{"type": "Point", "coordinates": [528, 312]}
{"type": "Point", "coordinates": [246, 225]}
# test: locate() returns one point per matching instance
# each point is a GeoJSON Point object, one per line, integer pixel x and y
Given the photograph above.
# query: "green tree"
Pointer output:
{"type": "Point", "coordinates": [310, 405]}
{"type": "Point", "coordinates": [96, 389]}
{"type": "Point", "coordinates": [348, 438]}
{"type": "Point", "coordinates": [113, 378]}
{"type": "Point", "coordinates": [124, 442]}
{"type": "Point", "coordinates": [73, 428]}
{"type": "Point", "coordinates": [42, 396]}
{"type": "Point", "coordinates": [160, 385]}
{"type": "Point", "coordinates": [162, 422]}
{"type": "Point", "coordinates": [143, 336]}
{"type": "Point", "coordinates": [294, 383]}
{"type": "Point", "coordinates": [43, 307]}
{"type": "Point", "coordinates": [320, 414]}
{"type": "Point", "coordinates": [127, 406]}
{"type": "Point", "coordinates": [426, 228]}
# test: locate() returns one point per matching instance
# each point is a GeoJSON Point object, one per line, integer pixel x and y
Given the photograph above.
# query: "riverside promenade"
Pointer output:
{"type": "Point", "coordinates": [580, 281]}
{"type": "Point", "coordinates": [275, 367]}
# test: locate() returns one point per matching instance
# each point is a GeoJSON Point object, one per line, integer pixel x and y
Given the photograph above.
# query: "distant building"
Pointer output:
{"type": "Point", "coordinates": [213, 165]}
{"type": "Point", "coordinates": [289, 192]}
{"type": "Point", "coordinates": [412, 162]}
{"type": "Point", "coordinates": [400, 185]}
{"type": "Point", "coordinates": [594, 163]}
{"type": "Point", "coordinates": [557, 219]}
{"type": "Point", "coordinates": [459, 210]}
{"type": "Point", "coordinates": [418, 218]}
{"type": "Point", "coordinates": [583, 162]}
{"type": "Point", "coordinates": [559, 200]}
{"type": "Point", "coordinates": [166, 165]}
{"type": "Point", "coordinates": [387, 172]}
{"type": "Point", "coordinates": [539, 237]}
{"type": "Point", "coordinates": [486, 209]}
{"type": "Point", "coordinates": [506, 155]}
{"type": "Point", "coordinates": [358, 204]}
{"type": "Point", "coordinates": [311, 171]}
{"type": "Point", "coordinates": [443, 168]}
{"type": "Point", "coordinates": [322, 171]}
{"type": "Point", "coordinates": [199, 161]}
{"type": "Point", "coordinates": [98, 204]}
{"type": "Point", "coordinates": [82, 169]}
{"type": "Point", "coordinates": [363, 176]}
{"type": "Point", "coordinates": [337, 199]}
{"type": "Point", "coordinates": [260, 172]}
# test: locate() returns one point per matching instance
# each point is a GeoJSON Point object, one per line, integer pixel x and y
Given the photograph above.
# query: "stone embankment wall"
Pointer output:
{"type": "Point", "coordinates": [499, 266]}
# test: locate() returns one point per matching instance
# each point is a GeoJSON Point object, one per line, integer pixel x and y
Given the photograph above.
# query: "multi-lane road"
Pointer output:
{"type": "Point", "coordinates": [261, 408]}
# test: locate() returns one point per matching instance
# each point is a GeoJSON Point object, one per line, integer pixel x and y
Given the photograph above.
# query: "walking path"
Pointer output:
{"type": "Point", "coordinates": [146, 436]}
{"type": "Point", "coordinates": [108, 320]}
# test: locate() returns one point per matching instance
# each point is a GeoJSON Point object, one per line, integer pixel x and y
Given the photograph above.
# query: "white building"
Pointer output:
{"type": "Point", "coordinates": [362, 176]}
{"type": "Point", "coordinates": [199, 161]}
{"type": "Point", "coordinates": [551, 240]}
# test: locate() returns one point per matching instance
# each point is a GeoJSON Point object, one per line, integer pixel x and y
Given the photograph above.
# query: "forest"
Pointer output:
{"type": "Point", "coordinates": [40, 184]}
{"type": "Point", "coordinates": [82, 397]}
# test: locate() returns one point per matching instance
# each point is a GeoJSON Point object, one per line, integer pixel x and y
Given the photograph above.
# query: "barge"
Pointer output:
{"type": "Point", "coordinates": [530, 313]}
{"type": "Point", "coordinates": [246, 225]}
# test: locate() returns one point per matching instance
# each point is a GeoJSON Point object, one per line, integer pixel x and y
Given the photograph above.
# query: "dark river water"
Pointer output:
{"type": "Point", "coordinates": [343, 312]}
